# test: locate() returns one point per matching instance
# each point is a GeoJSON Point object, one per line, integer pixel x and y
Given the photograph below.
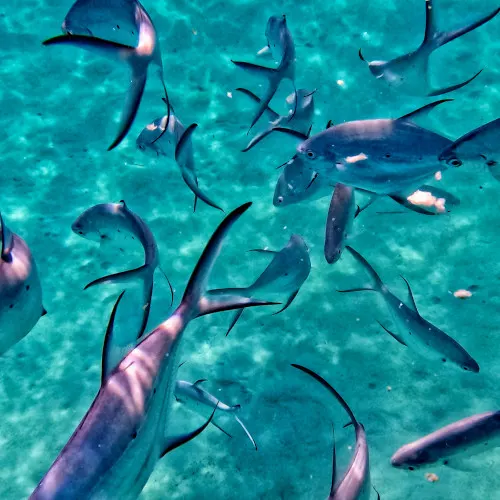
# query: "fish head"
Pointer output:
{"type": "Point", "coordinates": [410, 457]}
{"type": "Point", "coordinates": [377, 68]}
{"type": "Point", "coordinates": [450, 157]}
{"type": "Point", "coordinates": [276, 26]}
{"type": "Point", "coordinates": [155, 141]}
{"type": "Point", "coordinates": [94, 223]}
{"type": "Point", "coordinates": [318, 149]}
{"type": "Point", "coordinates": [297, 242]}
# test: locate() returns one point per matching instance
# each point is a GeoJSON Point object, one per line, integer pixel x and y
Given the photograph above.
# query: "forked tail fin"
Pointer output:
{"type": "Point", "coordinates": [195, 300]}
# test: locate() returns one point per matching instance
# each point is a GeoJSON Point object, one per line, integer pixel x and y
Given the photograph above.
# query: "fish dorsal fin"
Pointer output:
{"type": "Point", "coordinates": [422, 112]}
{"type": "Point", "coordinates": [430, 22]}
{"type": "Point", "coordinates": [411, 299]}
{"type": "Point", "coordinates": [124, 205]}
{"type": "Point", "coordinates": [7, 241]}
{"type": "Point", "coordinates": [199, 381]}
{"type": "Point", "coordinates": [330, 124]}
{"type": "Point", "coordinates": [109, 360]}
{"type": "Point", "coordinates": [184, 140]}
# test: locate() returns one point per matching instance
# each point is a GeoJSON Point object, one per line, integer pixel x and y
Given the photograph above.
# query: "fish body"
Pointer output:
{"type": "Point", "coordinates": [282, 47]}
{"type": "Point", "coordinates": [409, 73]}
{"type": "Point", "coordinates": [114, 449]}
{"type": "Point", "coordinates": [87, 16]}
{"type": "Point", "coordinates": [414, 331]}
{"type": "Point", "coordinates": [464, 438]}
{"type": "Point", "coordinates": [355, 484]}
{"type": "Point", "coordinates": [20, 290]}
{"type": "Point", "coordinates": [382, 156]}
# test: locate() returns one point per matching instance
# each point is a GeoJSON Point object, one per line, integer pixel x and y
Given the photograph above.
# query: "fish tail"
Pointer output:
{"type": "Point", "coordinates": [377, 283]}
{"type": "Point", "coordinates": [196, 301]}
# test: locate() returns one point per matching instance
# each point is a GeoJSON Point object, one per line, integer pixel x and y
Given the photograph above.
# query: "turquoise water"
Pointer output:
{"type": "Point", "coordinates": [60, 108]}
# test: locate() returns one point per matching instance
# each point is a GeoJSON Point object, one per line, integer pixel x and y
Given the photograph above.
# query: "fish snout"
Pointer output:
{"type": "Point", "coordinates": [471, 366]}
{"type": "Point", "coordinates": [77, 227]}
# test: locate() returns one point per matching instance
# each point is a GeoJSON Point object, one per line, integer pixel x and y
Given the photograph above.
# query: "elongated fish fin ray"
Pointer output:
{"type": "Point", "coordinates": [273, 78]}
{"type": "Point", "coordinates": [221, 429]}
{"type": "Point", "coordinates": [411, 299]}
{"type": "Point", "coordinates": [146, 305]}
{"type": "Point", "coordinates": [443, 38]}
{"type": "Point", "coordinates": [174, 442]}
{"type": "Point", "coordinates": [263, 250]}
{"type": "Point", "coordinates": [198, 193]}
{"type": "Point", "coordinates": [170, 286]}
{"type": "Point", "coordinates": [378, 284]}
{"type": "Point", "coordinates": [123, 277]}
{"type": "Point", "coordinates": [132, 102]}
{"type": "Point", "coordinates": [288, 302]}
{"type": "Point", "coordinates": [451, 88]}
{"type": "Point", "coordinates": [272, 115]}
{"type": "Point", "coordinates": [296, 96]}
{"type": "Point", "coordinates": [246, 431]}
{"type": "Point", "coordinates": [195, 298]}
{"type": "Point", "coordinates": [293, 133]}
{"type": "Point", "coordinates": [255, 140]}
{"type": "Point", "coordinates": [334, 462]}
{"type": "Point", "coordinates": [236, 317]}
{"type": "Point", "coordinates": [423, 111]}
{"type": "Point", "coordinates": [199, 381]}
{"type": "Point", "coordinates": [329, 388]}
{"type": "Point", "coordinates": [364, 289]}
{"type": "Point", "coordinates": [392, 334]}
{"type": "Point", "coordinates": [109, 359]}
{"type": "Point", "coordinates": [378, 494]}
{"type": "Point", "coordinates": [7, 240]}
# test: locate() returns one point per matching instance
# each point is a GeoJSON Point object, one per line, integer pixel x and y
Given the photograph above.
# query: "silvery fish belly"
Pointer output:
{"type": "Point", "coordinates": [381, 156]}
{"type": "Point", "coordinates": [20, 295]}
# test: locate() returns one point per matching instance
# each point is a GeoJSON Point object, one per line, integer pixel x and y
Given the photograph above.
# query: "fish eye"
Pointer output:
{"type": "Point", "coordinates": [411, 468]}
{"type": "Point", "coordinates": [280, 199]}
{"type": "Point", "coordinates": [142, 147]}
{"type": "Point", "coordinates": [491, 163]}
{"type": "Point", "coordinates": [455, 162]}
{"type": "Point", "coordinates": [466, 368]}
{"type": "Point", "coordinates": [311, 154]}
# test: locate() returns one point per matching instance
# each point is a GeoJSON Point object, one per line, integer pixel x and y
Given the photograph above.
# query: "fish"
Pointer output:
{"type": "Point", "coordinates": [452, 443]}
{"type": "Point", "coordinates": [116, 446]}
{"type": "Point", "coordinates": [187, 391]}
{"type": "Point", "coordinates": [78, 29]}
{"type": "Point", "coordinates": [282, 48]}
{"type": "Point", "coordinates": [409, 73]}
{"type": "Point", "coordinates": [299, 117]}
{"type": "Point", "coordinates": [341, 214]}
{"type": "Point", "coordinates": [381, 156]}
{"type": "Point", "coordinates": [415, 332]}
{"type": "Point", "coordinates": [102, 223]}
{"type": "Point", "coordinates": [355, 484]}
{"type": "Point", "coordinates": [20, 290]}
{"type": "Point", "coordinates": [286, 273]}
{"type": "Point", "coordinates": [481, 143]}
{"type": "Point", "coordinates": [174, 141]}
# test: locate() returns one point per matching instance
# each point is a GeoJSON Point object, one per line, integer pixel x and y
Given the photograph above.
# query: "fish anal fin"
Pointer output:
{"type": "Point", "coordinates": [288, 302]}
{"type": "Point", "coordinates": [411, 299]}
{"type": "Point", "coordinates": [392, 334]}
{"type": "Point", "coordinates": [175, 441]}
{"type": "Point", "coordinates": [234, 320]}
{"type": "Point", "coordinates": [451, 88]}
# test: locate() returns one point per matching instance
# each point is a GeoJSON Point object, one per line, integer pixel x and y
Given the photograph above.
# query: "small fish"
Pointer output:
{"type": "Point", "coordinates": [286, 273]}
{"type": "Point", "coordinates": [382, 156]}
{"type": "Point", "coordinates": [339, 221]}
{"type": "Point", "coordinates": [116, 446]}
{"type": "Point", "coordinates": [102, 223]}
{"type": "Point", "coordinates": [78, 29]}
{"type": "Point", "coordinates": [409, 73]}
{"type": "Point", "coordinates": [20, 290]}
{"type": "Point", "coordinates": [481, 143]}
{"type": "Point", "coordinates": [454, 442]}
{"type": "Point", "coordinates": [174, 141]}
{"type": "Point", "coordinates": [355, 484]}
{"type": "Point", "coordinates": [193, 392]}
{"type": "Point", "coordinates": [414, 331]}
{"type": "Point", "coordinates": [299, 117]}
{"type": "Point", "coordinates": [281, 46]}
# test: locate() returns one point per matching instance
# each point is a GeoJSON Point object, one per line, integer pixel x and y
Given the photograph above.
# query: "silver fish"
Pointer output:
{"type": "Point", "coordinates": [382, 156]}
{"type": "Point", "coordinates": [482, 142]}
{"type": "Point", "coordinates": [20, 290]}
{"type": "Point", "coordinates": [102, 223]}
{"type": "Point", "coordinates": [299, 117]}
{"type": "Point", "coordinates": [286, 273]}
{"type": "Point", "coordinates": [116, 446]}
{"type": "Point", "coordinates": [187, 391]}
{"type": "Point", "coordinates": [280, 44]}
{"type": "Point", "coordinates": [414, 331]}
{"type": "Point", "coordinates": [174, 141]}
{"type": "Point", "coordinates": [355, 484]}
{"type": "Point", "coordinates": [467, 437]}
{"type": "Point", "coordinates": [409, 73]}
{"type": "Point", "coordinates": [79, 26]}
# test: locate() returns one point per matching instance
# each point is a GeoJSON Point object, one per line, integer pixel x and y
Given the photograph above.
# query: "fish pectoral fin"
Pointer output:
{"type": "Point", "coordinates": [288, 302]}
{"type": "Point", "coordinates": [451, 88]}
{"type": "Point", "coordinates": [146, 306]}
{"type": "Point", "coordinates": [175, 441]}
{"type": "Point", "coordinates": [123, 277]}
{"type": "Point", "coordinates": [234, 320]}
{"type": "Point", "coordinates": [411, 299]}
{"type": "Point", "coordinates": [170, 286]}
{"type": "Point", "coordinates": [246, 431]}
{"type": "Point", "coordinates": [392, 334]}
{"type": "Point", "coordinates": [255, 140]}
{"type": "Point", "coordinates": [423, 111]}
{"type": "Point", "coordinates": [192, 184]}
